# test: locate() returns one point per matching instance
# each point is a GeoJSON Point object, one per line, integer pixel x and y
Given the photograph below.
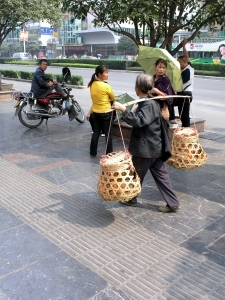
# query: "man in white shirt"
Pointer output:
{"type": "Point", "coordinates": [187, 74]}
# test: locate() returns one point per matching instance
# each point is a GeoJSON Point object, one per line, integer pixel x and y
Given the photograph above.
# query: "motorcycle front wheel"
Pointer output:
{"type": "Point", "coordinates": [80, 117]}
{"type": "Point", "coordinates": [29, 121]}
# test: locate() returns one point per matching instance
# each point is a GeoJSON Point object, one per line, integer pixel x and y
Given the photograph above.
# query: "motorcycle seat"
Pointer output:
{"type": "Point", "coordinates": [22, 95]}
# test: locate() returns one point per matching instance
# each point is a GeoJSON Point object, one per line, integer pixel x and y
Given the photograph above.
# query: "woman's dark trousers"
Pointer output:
{"type": "Point", "coordinates": [101, 121]}
{"type": "Point", "coordinates": [160, 175]}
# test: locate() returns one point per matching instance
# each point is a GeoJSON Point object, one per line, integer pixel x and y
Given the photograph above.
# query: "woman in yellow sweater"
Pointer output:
{"type": "Point", "coordinates": [101, 95]}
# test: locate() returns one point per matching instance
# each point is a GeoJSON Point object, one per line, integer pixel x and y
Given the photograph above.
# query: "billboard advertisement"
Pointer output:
{"type": "Point", "coordinates": [23, 35]}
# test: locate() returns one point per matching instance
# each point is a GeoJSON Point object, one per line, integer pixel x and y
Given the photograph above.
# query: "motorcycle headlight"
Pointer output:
{"type": "Point", "coordinates": [16, 96]}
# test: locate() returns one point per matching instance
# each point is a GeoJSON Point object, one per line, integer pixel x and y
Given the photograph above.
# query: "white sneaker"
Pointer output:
{"type": "Point", "coordinates": [102, 134]}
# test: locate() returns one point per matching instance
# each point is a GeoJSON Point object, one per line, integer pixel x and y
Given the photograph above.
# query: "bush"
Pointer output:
{"type": "Point", "coordinates": [59, 77]}
{"type": "Point", "coordinates": [91, 63]}
{"type": "Point", "coordinates": [210, 68]}
{"type": "Point", "coordinates": [135, 69]}
{"type": "Point", "coordinates": [26, 75]}
{"type": "Point", "coordinates": [77, 80]}
{"type": "Point", "coordinates": [207, 67]}
{"type": "Point", "coordinates": [74, 65]}
{"type": "Point", "coordinates": [10, 73]}
{"type": "Point", "coordinates": [222, 70]}
{"type": "Point", "coordinates": [207, 73]}
{"type": "Point", "coordinates": [50, 76]}
{"type": "Point", "coordinates": [21, 62]}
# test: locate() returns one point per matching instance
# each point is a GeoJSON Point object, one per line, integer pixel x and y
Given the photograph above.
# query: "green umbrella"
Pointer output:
{"type": "Point", "coordinates": [147, 57]}
{"type": "Point", "coordinates": [124, 98]}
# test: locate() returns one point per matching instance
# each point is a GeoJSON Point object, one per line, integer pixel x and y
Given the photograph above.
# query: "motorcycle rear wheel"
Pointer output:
{"type": "Point", "coordinates": [80, 117]}
{"type": "Point", "coordinates": [29, 121]}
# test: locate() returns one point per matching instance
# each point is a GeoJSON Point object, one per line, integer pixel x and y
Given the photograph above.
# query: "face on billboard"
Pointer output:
{"type": "Point", "coordinates": [222, 51]}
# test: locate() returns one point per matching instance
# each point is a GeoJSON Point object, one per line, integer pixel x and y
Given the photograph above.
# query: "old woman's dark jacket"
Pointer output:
{"type": "Point", "coordinates": [146, 137]}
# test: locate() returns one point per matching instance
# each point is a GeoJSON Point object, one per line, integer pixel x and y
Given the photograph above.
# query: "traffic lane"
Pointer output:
{"type": "Point", "coordinates": [125, 80]}
{"type": "Point", "coordinates": [209, 89]}
{"type": "Point", "coordinates": [214, 118]}
{"type": "Point", "coordinates": [206, 92]}
{"type": "Point", "coordinates": [202, 106]}
{"type": "Point", "coordinates": [205, 89]}
{"type": "Point", "coordinates": [121, 80]}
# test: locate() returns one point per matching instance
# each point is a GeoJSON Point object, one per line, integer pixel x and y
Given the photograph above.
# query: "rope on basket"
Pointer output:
{"type": "Point", "coordinates": [121, 133]}
{"type": "Point", "coordinates": [107, 140]}
{"type": "Point", "coordinates": [188, 98]}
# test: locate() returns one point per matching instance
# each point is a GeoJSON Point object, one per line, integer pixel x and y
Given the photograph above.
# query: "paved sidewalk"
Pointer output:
{"type": "Point", "coordinates": [59, 240]}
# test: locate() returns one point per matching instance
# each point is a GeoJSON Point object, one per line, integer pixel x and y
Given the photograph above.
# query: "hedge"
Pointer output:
{"type": "Point", "coordinates": [90, 63]}
{"type": "Point", "coordinates": [73, 65]}
{"type": "Point", "coordinates": [10, 73]}
{"type": "Point", "coordinates": [218, 69]}
{"type": "Point", "coordinates": [75, 79]}
{"type": "Point", "coordinates": [26, 75]}
{"type": "Point", "coordinates": [93, 63]}
{"type": "Point", "coordinates": [207, 73]}
{"type": "Point", "coordinates": [19, 62]}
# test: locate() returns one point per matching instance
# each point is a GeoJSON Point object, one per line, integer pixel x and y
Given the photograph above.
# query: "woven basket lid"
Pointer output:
{"type": "Point", "coordinates": [115, 158]}
{"type": "Point", "coordinates": [181, 132]}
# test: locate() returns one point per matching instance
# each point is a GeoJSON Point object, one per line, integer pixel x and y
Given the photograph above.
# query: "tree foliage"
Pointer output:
{"type": "Point", "coordinates": [14, 13]}
{"type": "Point", "coordinates": [159, 20]}
{"type": "Point", "coordinates": [32, 46]}
{"type": "Point", "coordinates": [8, 48]}
{"type": "Point", "coordinates": [127, 46]}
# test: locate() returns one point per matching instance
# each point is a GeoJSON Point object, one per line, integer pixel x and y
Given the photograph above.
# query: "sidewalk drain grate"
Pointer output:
{"type": "Point", "coordinates": [211, 135]}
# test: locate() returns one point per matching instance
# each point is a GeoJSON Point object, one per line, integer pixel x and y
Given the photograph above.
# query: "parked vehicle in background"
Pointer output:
{"type": "Point", "coordinates": [88, 57]}
{"type": "Point", "coordinates": [61, 57]}
{"type": "Point", "coordinates": [21, 55]}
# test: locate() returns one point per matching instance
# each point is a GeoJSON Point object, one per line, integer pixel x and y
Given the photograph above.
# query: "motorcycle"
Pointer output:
{"type": "Point", "coordinates": [32, 111]}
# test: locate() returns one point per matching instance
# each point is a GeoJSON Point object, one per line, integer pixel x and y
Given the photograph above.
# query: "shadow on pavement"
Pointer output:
{"type": "Point", "coordinates": [78, 211]}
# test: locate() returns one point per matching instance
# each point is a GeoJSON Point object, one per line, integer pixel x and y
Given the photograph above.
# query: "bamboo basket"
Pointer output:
{"type": "Point", "coordinates": [118, 180]}
{"type": "Point", "coordinates": [187, 152]}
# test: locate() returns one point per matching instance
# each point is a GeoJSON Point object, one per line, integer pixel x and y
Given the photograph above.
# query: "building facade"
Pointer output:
{"type": "Point", "coordinates": [78, 38]}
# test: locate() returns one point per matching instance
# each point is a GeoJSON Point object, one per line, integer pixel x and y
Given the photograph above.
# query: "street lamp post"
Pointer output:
{"type": "Point", "coordinates": [63, 44]}
{"type": "Point", "coordinates": [22, 36]}
{"type": "Point", "coordinates": [24, 43]}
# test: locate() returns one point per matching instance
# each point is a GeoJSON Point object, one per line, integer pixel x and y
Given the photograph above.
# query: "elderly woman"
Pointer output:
{"type": "Point", "coordinates": [146, 143]}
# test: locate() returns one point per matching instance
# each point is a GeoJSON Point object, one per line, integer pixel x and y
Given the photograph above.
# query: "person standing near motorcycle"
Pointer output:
{"type": "Point", "coordinates": [101, 95]}
{"type": "Point", "coordinates": [41, 86]}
